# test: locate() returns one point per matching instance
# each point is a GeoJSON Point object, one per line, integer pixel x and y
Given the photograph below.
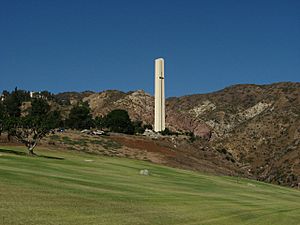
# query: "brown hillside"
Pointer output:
{"type": "Point", "coordinates": [258, 124]}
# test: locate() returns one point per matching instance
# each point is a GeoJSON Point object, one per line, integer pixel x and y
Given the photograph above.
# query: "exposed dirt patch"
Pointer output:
{"type": "Point", "coordinates": [144, 144]}
{"type": "Point", "coordinates": [197, 156]}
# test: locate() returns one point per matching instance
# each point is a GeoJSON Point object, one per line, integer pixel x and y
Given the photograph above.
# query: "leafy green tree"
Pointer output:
{"type": "Point", "coordinates": [166, 131]}
{"type": "Point", "coordinates": [118, 121]}
{"type": "Point", "coordinates": [80, 117]}
{"type": "Point", "coordinates": [99, 122]}
{"type": "Point", "coordinates": [46, 94]}
{"type": "Point", "coordinates": [39, 107]}
{"type": "Point", "coordinates": [13, 101]}
{"type": "Point", "coordinates": [30, 129]}
{"type": "Point", "coordinates": [5, 93]}
{"type": "Point", "coordinates": [12, 104]}
{"type": "Point", "coordinates": [138, 127]}
{"type": "Point", "coordinates": [2, 117]}
{"type": "Point", "coordinates": [148, 126]}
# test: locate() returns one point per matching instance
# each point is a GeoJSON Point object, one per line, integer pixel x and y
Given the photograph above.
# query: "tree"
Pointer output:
{"type": "Point", "coordinates": [12, 104]}
{"type": "Point", "coordinates": [47, 95]}
{"type": "Point", "coordinates": [30, 129]}
{"type": "Point", "coordinates": [99, 122]}
{"type": "Point", "coordinates": [5, 93]}
{"type": "Point", "coordinates": [118, 121]}
{"type": "Point", "coordinates": [2, 117]}
{"type": "Point", "coordinates": [167, 132]}
{"type": "Point", "coordinates": [138, 127]}
{"type": "Point", "coordinates": [148, 126]}
{"type": "Point", "coordinates": [80, 117]}
{"type": "Point", "coordinates": [39, 107]}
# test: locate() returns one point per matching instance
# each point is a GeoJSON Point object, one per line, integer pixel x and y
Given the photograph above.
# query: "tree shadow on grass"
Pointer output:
{"type": "Point", "coordinates": [50, 157]}
{"type": "Point", "coordinates": [16, 152]}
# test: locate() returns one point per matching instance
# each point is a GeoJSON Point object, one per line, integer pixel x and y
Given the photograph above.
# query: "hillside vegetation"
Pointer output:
{"type": "Point", "coordinates": [80, 188]}
{"type": "Point", "coordinates": [259, 125]}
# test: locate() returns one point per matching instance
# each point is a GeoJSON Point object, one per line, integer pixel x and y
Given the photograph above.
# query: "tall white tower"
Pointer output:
{"type": "Point", "coordinates": [159, 119]}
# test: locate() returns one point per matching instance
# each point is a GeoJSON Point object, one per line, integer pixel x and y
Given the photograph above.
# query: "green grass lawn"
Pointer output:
{"type": "Point", "coordinates": [85, 189]}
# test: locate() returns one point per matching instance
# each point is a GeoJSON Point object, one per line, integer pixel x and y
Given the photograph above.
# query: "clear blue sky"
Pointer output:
{"type": "Point", "coordinates": [61, 45]}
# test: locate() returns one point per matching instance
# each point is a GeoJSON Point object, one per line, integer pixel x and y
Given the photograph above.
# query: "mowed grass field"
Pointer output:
{"type": "Point", "coordinates": [85, 189]}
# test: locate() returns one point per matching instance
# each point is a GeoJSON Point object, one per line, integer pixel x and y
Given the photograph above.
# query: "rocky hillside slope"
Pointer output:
{"type": "Point", "coordinates": [258, 124]}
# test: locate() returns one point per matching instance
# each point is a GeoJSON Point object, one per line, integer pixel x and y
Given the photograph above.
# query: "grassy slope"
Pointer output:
{"type": "Point", "coordinates": [111, 191]}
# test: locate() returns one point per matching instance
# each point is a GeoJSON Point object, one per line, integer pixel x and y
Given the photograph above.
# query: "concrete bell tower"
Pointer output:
{"type": "Point", "coordinates": [159, 119]}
